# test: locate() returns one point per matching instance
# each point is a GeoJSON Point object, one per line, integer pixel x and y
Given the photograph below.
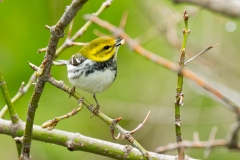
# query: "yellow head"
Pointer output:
{"type": "Point", "coordinates": [101, 49]}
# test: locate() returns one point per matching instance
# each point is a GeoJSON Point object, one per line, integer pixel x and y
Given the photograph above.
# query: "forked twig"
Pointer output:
{"type": "Point", "coordinates": [205, 50]}
{"type": "Point", "coordinates": [210, 141]}
{"type": "Point", "coordinates": [50, 124]}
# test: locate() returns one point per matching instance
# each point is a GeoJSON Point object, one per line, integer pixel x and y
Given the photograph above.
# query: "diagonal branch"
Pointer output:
{"type": "Point", "coordinates": [164, 62]}
{"type": "Point", "coordinates": [199, 54]}
{"type": "Point", "coordinates": [57, 32]}
{"type": "Point", "coordinates": [80, 32]}
{"type": "Point", "coordinates": [69, 41]}
{"type": "Point", "coordinates": [105, 118]}
{"type": "Point", "coordinates": [11, 109]}
{"type": "Point", "coordinates": [22, 90]}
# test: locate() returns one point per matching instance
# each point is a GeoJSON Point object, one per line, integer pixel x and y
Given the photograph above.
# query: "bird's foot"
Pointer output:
{"type": "Point", "coordinates": [72, 91]}
{"type": "Point", "coordinates": [95, 109]}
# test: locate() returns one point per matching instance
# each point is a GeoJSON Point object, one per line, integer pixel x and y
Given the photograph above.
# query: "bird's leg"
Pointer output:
{"type": "Point", "coordinates": [72, 91]}
{"type": "Point", "coordinates": [95, 111]}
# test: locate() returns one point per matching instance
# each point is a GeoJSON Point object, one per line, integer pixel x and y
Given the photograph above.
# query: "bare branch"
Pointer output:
{"type": "Point", "coordinates": [106, 119]}
{"type": "Point", "coordinates": [205, 50]}
{"type": "Point", "coordinates": [57, 32]}
{"type": "Point", "coordinates": [192, 144]}
{"type": "Point", "coordinates": [210, 141]}
{"type": "Point", "coordinates": [21, 92]}
{"type": "Point", "coordinates": [196, 143]}
{"type": "Point", "coordinates": [123, 20]}
{"type": "Point", "coordinates": [81, 142]}
{"type": "Point", "coordinates": [42, 50]}
{"type": "Point", "coordinates": [229, 7]}
{"type": "Point", "coordinates": [164, 62]}
{"type": "Point", "coordinates": [11, 109]}
{"type": "Point", "coordinates": [80, 32]}
{"type": "Point", "coordinates": [141, 124]}
{"type": "Point", "coordinates": [50, 124]}
{"type": "Point", "coordinates": [232, 136]}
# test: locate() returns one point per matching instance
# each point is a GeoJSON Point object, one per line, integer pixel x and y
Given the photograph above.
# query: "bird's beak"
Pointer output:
{"type": "Point", "coordinates": [119, 42]}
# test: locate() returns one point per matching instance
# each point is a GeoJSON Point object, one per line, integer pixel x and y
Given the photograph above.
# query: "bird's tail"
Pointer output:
{"type": "Point", "coordinates": [60, 62]}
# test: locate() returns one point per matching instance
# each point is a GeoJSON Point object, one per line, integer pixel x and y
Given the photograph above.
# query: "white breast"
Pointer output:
{"type": "Point", "coordinates": [95, 82]}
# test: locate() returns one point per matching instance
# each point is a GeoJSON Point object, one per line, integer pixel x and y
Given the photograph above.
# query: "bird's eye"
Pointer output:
{"type": "Point", "coordinates": [106, 47]}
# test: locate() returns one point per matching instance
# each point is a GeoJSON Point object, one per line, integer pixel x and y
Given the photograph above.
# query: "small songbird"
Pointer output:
{"type": "Point", "coordinates": [94, 67]}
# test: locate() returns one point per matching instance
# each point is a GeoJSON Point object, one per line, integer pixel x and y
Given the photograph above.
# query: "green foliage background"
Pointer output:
{"type": "Point", "coordinates": [140, 85]}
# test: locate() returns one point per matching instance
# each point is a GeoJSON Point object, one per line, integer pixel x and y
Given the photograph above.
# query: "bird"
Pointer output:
{"type": "Point", "coordinates": [94, 68]}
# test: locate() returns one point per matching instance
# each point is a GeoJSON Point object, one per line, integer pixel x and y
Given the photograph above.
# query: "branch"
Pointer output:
{"type": "Point", "coordinates": [111, 122]}
{"type": "Point", "coordinates": [163, 62]}
{"type": "Point", "coordinates": [57, 32]}
{"type": "Point", "coordinates": [22, 90]}
{"type": "Point", "coordinates": [232, 136]}
{"type": "Point", "coordinates": [179, 94]}
{"type": "Point", "coordinates": [70, 41]}
{"type": "Point", "coordinates": [199, 54]}
{"type": "Point", "coordinates": [12, 111]}
{"type": "Point", "coordinates": [229, 7]}
{"type": "Point", "coordinates": [79, 142]}
{"type": "Point", "coordinates": [52, 123]}
{"type": "Point", "coordinates": [196, 143]}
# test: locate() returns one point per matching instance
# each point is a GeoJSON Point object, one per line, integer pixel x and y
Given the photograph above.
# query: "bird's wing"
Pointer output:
{"type": "Point", "coordinates": [77, 59]}
{"type": "Point", "coordinates": [60, 62]}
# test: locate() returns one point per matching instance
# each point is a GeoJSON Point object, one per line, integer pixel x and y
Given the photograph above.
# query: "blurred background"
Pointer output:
{"type": "Point", "coordinates": [141, 85]}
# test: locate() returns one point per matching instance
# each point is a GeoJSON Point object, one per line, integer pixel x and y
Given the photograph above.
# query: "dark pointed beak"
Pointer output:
{"type": "Point", "coordinates": [119, 42]}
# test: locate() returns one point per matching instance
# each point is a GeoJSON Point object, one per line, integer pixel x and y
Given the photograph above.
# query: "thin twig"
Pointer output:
{"type": "Point", "coordinates": [123, 21]}
{"type": "Point", "coordinates": [205, 50]}
{"type": "Point", "coordinates": [196, 143]}
{"type": "Point", "coordinates": [179, 94]}
{"type": "Point", "coordinates": [126, 135]}
{"type": "Point", "coordinates": [232, 136]}
{"type": "Point", "coordinates": [18, 141]}
{"type": "Point", "coordinates": [50, 124]}
{"type": "Point", "coordinates": [193, 144]}
{"type": "Point", "coordinates": [141, 124]}
{"type": "Point", "coordinates": [42, 50]}
{"type": "Point", "coordinates": [78, 44]}
{"type": "Point", "coordinates": [112, 128]}
{"type": "Point", "coordinates": [70, 29]}
{"type": "Point", "coordinates": [11, 109]}
{"type": "Point", "coordinates": [22, 90]}
{"type": "Point", "coordinates": [80, 32]}
{"type": "Point", "coordinates": [210, 141]}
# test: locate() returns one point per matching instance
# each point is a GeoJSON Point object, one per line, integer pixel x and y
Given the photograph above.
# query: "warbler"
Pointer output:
{"type": "Point", "coordinates": [94, 67]}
